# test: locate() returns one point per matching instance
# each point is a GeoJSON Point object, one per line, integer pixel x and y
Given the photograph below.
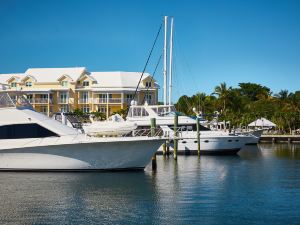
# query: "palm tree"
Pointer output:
{"type": "Point", "coordinates": [223, 93]}
{"type": "Point", "coordinates": [283, 94]}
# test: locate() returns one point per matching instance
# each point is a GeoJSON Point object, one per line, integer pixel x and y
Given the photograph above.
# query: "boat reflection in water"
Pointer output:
{"type": "Point", "coordinates": [209, 189]}
{"type": "Point", "coordinates": [75, 198]}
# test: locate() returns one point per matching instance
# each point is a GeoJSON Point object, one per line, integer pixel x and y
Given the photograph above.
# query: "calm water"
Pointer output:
{"type": "Point", "coordinates": [260, 186]}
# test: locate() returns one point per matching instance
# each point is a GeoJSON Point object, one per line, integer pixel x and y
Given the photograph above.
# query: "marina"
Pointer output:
{"type": "Point", "coordinates": [260, 185]}
{"type": "Point", "coordinates": [150, 112]}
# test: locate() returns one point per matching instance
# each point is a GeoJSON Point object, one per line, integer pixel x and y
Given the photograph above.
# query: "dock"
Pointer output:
{"type": "Point", "coordinates": [280, 139]}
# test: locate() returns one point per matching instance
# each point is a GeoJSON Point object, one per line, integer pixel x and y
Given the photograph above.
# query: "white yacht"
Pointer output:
{"type": "Point", "coordinates": [253, 136]}
{"type": "Point", "coordinates": [33, 141]}
{"type": "Point", "coordinates": [211, 142]}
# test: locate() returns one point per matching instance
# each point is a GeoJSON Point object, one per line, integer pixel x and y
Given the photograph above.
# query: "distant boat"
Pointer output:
{"type": "Point", "coordinates": [33, 141]}
{"type": "Point", "coordinates": [211, 142]}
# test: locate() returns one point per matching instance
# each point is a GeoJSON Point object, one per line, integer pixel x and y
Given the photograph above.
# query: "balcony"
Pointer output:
{"type": "Point", "coordinates": [63, 101]}
{"type": "Point", "coordinates": [128, 101]}
{"type": "Point", "coordinates": [84, 101]}
{"type": "Point", "coordinates": [105, 100]}
{"type": "Point", "coordinates": [40, 101]}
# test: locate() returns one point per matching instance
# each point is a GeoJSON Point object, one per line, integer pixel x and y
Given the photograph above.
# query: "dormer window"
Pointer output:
{"type": "Point", "coordinates": [28, 84]}
{"type": "Point", "coordinates": [64, 83]}
{"type": "Point", "coordinates": [148, 84]}
{"type": "Point", "coordinates": [13, 84]}
{"type": "Point", "coordinates": [85, 83]}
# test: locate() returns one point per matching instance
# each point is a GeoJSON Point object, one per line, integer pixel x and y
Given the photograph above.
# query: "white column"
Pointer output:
{"type": "Point", "coordinates": [107, 114]}
{"type": "Point", "coordinates": [48, 109]}
{"type": "Point", "coordinates": [122, 100]}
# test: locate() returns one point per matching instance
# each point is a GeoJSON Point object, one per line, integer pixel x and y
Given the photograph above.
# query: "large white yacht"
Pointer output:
{"type": "Point", "coordinates": [211, 142]}
{"type": "Point", "coordinates": [33, 141]}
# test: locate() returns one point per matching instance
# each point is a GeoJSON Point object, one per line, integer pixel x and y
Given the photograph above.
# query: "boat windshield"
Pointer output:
{"type": "Point", "coordinates": [137, 112]}
{"type": "Point", "coordinates": [13, 100]}
{"type": "Point", "coordinates": [165, 110]}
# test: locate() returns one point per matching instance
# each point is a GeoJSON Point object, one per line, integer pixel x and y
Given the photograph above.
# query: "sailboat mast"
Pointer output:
{"type": "Point", "coordinates": [165, 61]}
{"type": "Point", "coordinates": [170, 65]}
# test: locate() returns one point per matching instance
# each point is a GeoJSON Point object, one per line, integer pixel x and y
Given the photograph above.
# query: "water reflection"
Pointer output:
{"type": "Point", "coordinates": [61, 198]}
{"type": "Point", "coordinates": [254, 187]}
{"type": "Point", "coordinates": [290, 151]}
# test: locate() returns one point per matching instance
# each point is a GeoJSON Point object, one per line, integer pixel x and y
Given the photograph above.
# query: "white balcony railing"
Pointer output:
{"type": "Point", "coordinates": [105, 100]}
{"type": "Point", "coordinates": [63, 101]}
{"type": "Point", "coordinates": [84, 101]}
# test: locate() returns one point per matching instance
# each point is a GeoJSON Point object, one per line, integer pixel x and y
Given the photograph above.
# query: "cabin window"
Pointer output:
{"type": "Point", "coordinates": [85, 83]}
{"type": "Point", "coordinates": [206, 141]}
{"type": "Point", "coordinates": [64, 83]}
{"type": "Point", "coordinates": [31, 130]}
{"type": "Point", "coordinates": [28, 84]}
{"type": "Point", "coordinates": [13, 84]}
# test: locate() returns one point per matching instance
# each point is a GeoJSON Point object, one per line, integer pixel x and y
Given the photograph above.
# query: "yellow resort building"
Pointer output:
{"type": "Point", "coordinates": [52, 90]}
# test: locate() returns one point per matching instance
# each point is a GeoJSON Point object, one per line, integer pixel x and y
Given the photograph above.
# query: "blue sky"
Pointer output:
{"type": "Point", "coordinates": [214, 41]}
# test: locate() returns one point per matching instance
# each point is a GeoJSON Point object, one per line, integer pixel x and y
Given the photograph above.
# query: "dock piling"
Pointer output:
{"type": "Point", "coordinates": [198, 135]}
{"type": "Point", "coordinates": [175, 136]}
{"type": "Point", "coordinates": [153, 127]}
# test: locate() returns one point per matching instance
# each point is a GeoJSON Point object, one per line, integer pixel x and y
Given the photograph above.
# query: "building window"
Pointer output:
{"type": "Point", "coordinates": [102, 96]}
{"type": "Point", "coordinates": [63, 97]}
{"type": "Point", "coordinates": [64, 83]}
{"type": "Point", "coordinates": [148, 84]}
{"type": "Point", "coordinates": [85, 97]}
{"type": "Point", "coordinates": [129, 96]}
{"type": "Point", "coordinates": [44, 96]}
{"type": "Point", "coordinates": [13, 84]}
{"type": "Point", "coordinates": [85, 83]}
{"type": "Point", "coordinates": [86, 109]}
{"type": "Point", "coordinates": [28, 84]}
{"type": "Point", "coordinates": [64, 108]}
{"type": "Point", "coordinates": [29, 97]}
{"type": "Point", "coordinates": [102, 109]}
{"type": "Point", "coordinates": [44, 110]}
{"type": "Point", "coordinates": [149, 98]}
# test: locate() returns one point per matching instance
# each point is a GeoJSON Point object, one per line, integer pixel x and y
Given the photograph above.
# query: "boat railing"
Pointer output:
{"type": "Point", "coordinates": [154, 132]}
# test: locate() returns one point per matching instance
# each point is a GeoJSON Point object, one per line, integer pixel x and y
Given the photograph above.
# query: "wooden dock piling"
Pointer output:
{"type": "Point", "coordinates": [153, 128]}
{"type": "Point", "coordinates": [198, 135]}
{"type": "Point", "coordinates": [175, 136]}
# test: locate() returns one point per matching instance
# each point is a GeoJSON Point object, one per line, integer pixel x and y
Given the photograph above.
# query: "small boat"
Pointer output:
{"type": "Point", "coordinates": [32, 141]}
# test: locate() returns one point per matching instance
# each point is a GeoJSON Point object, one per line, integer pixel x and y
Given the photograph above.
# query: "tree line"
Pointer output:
{"type": "Point", "coordinates": [244, 104]}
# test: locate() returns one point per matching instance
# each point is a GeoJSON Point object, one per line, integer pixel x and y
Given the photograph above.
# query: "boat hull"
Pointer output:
{"type": "Point", "coordinates": [210, 145]}
{"type": "Point", "coordinates": [118, 155]}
